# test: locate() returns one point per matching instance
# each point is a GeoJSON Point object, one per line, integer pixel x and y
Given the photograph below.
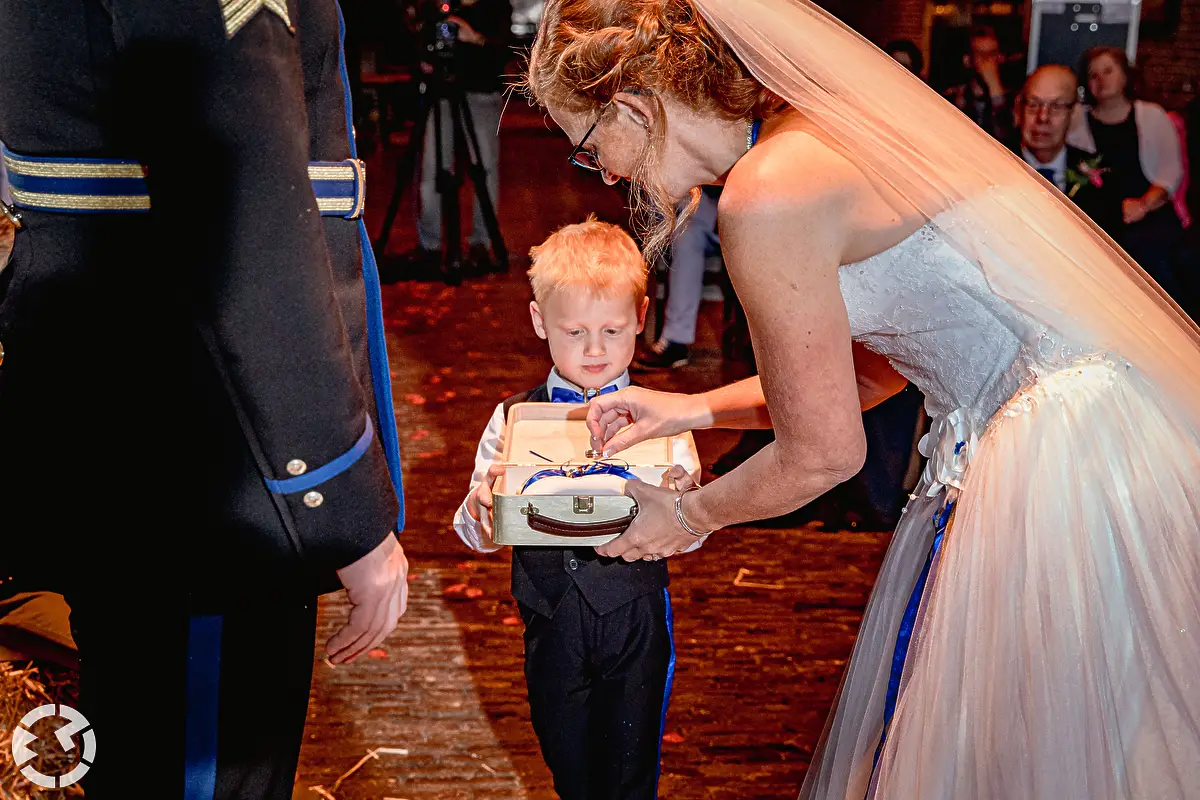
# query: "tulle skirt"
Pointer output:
{"type": "Point", "coordinates": [1056, 648]}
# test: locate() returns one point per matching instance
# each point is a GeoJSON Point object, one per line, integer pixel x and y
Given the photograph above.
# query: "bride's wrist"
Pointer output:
{"type": "Point", "coordinates": [699, 414]}
{"type": "Point", "coordinates": [695, 517]}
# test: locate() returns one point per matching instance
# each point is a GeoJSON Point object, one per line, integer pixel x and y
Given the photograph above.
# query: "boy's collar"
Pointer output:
{"type": "Point", "coordinates": [556, 380]}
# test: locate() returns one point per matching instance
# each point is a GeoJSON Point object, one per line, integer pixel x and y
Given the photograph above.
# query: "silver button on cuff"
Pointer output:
{"type": "Point", "coordinates": [296, 467]}
{"type": "Point", "coordinates": [313, 499]}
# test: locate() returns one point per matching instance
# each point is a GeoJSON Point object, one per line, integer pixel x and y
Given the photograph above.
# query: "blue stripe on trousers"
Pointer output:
{"type": "Point", "coordinates": [662, 727]}
{"type": "Point", "coordinates": [203, 694]}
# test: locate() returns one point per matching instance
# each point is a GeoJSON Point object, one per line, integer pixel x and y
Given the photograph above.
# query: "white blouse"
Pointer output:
{"type": "Point", "coordinates": [1158, 143]}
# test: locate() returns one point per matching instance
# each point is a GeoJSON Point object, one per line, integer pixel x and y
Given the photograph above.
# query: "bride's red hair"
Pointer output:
{"type": "Point", "coordinates": [587, 51]}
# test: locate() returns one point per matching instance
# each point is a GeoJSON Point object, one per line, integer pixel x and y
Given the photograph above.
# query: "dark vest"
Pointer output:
{"type": "Point", "coordinates": [541, 576]}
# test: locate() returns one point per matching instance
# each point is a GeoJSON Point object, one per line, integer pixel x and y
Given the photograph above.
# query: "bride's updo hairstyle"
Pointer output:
{"type": "Point", "coordinates": [587, 51]}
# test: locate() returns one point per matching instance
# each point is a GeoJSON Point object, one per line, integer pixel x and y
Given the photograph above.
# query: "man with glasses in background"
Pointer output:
{"type": "Point", "coordinates": [1043, 113]}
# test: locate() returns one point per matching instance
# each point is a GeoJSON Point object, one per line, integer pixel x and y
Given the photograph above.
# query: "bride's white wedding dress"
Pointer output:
{"type": "Point", "coordinates": [1050, 650]}
{"type": "Point", "coordinates": [1055, 652]}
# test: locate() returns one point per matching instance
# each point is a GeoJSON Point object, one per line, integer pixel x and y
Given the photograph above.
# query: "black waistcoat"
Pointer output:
{"type": "Point", "coordinates": [541, 576]}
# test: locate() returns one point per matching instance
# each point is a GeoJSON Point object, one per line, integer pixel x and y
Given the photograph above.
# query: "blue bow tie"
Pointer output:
{"type": "Point", "coordinates": [562, 395]}
{"type": "Point", "coordinates": [1047, 173]}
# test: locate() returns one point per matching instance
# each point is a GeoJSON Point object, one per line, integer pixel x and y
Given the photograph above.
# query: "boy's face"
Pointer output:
{"type": "Point", "coordinates": [591, 336]}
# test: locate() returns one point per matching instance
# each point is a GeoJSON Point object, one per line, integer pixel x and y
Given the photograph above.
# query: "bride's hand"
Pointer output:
{"type": "Point", "coordinates": [619, 420]}
{"type": "Point", "coordinates": [655, 533]}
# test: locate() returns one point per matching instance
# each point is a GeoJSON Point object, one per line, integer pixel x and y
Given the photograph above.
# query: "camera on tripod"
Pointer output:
{"type": "Point", "coordinates": [440, 33]}
{"type": "Point", "coordinates": [443, 123]}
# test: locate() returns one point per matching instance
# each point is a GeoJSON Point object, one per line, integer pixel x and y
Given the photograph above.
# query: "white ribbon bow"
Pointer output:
{"type": "Point", "coordinates": [949, 446]}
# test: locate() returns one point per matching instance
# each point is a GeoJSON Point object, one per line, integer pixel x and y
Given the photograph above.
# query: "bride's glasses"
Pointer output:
{"type": "Point", "coordinates": [587, 158]}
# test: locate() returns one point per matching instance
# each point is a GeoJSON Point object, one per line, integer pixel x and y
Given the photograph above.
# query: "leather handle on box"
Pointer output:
{"type": "Point", "coordinates": [555, 527]}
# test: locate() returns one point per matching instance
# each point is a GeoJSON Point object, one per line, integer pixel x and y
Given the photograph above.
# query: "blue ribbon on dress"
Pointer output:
{"type": "Point", "coordinates": [907, 624]}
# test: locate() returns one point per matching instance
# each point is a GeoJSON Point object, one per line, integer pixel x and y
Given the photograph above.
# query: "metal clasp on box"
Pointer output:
{"type": "Point", "coordinates": [530, 510]}
{"type": "Point", "coordinates": [584, 505]}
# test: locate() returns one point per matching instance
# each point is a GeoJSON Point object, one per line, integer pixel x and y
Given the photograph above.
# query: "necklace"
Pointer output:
{"type": "Point", "coordinates": [752, 129]}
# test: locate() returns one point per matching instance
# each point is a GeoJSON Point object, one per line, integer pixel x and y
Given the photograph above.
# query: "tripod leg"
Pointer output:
{"type": "Point", "coordinates": [449, 181]}
{"type": "Point", "coordinates": [406, 168]}
{"type": "Point", "coordinates": [479, 180]}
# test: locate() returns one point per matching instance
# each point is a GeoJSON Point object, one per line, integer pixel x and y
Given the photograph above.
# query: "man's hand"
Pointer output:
{"type": "Point", "coordinates": [465, 32]}
{"type": "Point", "coordinates": [1133, 209]}
{"type": "Point", "coordinates": [377, 588]}
{"type": "Point", "coordinates": [479, 504]}
{"type": "Point", "coordinates": [8, 234]}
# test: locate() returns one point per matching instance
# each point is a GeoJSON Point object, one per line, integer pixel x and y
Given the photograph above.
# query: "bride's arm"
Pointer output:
{"type": "Point", "coordinates": [621, 420]}
{"type": "Point", "coordinates": [877, 379]}
{"type": "Point", "coordinates": [738, 406]}
{"type": "Point", "coordinates": [783, 245]}
{"type": "Point", "coordinates": [742, 405]}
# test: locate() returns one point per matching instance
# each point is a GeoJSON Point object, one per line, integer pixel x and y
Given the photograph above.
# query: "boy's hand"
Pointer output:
{"type": "Point", "coordinates": [677, 478]}
{"type": "Point", "coordinates": [480, 504]}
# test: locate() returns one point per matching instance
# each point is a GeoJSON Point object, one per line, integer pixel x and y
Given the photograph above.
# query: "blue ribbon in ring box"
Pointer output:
{"type": "Point", "coordinates": [597, 468]}
{"type": "Point", "coordinates": [97, 185]}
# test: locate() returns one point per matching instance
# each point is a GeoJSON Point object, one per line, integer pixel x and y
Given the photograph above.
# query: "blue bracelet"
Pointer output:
{"type": "Point", "coordinates": [598, 468]}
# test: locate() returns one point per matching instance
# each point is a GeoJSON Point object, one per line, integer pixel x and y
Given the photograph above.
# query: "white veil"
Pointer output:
{"type": "Point", "coordinates": [1097, 558]}
{"type": "Point", "coordinates": [1034, 246]}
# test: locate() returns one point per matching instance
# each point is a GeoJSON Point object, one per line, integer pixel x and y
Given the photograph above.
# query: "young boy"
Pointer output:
{"type": "Point", "coordinates": [599, 653]}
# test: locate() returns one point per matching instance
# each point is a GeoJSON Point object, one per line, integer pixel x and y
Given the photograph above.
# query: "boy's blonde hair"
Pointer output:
{"type": "Point", "coordinates": [594, 255]}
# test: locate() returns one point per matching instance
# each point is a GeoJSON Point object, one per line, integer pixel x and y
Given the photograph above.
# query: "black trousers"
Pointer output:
{"type": "Point", "coordinates": [203, 707]}
{"type": "Point", "coordinates": [598, 691]}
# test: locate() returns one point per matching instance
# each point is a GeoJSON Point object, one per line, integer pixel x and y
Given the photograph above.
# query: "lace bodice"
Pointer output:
{"type": "Point", "coordinates": [930, 310]}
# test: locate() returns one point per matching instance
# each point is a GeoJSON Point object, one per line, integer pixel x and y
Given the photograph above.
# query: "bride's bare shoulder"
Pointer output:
{"type": "Point", "coordinates": [791, 171]}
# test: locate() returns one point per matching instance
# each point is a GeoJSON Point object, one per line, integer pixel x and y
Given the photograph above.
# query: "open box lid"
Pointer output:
{"type": "Point", "coordinates": [558, 431]}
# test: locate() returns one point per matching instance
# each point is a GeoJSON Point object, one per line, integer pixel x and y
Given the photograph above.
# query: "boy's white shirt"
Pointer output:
{"type": "Point", "coordinates": [491, 449]}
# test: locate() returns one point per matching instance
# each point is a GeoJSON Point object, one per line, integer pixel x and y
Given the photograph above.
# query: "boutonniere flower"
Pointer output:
{"type": "Point", "coordinates": [1086, 172]}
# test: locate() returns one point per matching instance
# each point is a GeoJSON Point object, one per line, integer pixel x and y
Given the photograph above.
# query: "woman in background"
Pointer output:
{"type": "Point", "coordinates": [1138, 143]}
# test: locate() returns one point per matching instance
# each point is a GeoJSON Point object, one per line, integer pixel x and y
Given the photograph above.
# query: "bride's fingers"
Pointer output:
{"type": "Point", "coordinates": [595, 427]}
{"type": "Point", "coordinates": [610, 423]}
{"type": "Point", "coordinates": [601, 407]}
{"type": "Point", "coordinates": [617, 547]}
{"type": "Point", "coordinates": [624, 440]}
{"type": "Point", "coordinates": [613, 428]}
{"type": "Point", "coordinates": [621, 413]}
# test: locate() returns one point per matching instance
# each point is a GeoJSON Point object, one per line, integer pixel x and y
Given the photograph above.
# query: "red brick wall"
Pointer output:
{"type": "Point", "coordinates": [884, 20]}
{"type": "Point", "coordinates": [1171, 66]}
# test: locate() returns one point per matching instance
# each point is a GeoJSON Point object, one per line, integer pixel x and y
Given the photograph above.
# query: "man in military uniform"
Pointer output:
{"type": "Point", "coordinates": [195, 416]}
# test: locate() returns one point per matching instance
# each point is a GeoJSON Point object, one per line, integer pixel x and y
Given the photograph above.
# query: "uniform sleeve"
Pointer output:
{"type": "Point", "coordinates": [490, 446]}
{"type": "Point", "coordinates": [1159, 146]}
{"type": "Point", "coordinates": [214, 97]}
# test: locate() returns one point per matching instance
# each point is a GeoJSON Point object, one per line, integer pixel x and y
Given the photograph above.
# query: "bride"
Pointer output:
{"type": "Point", "coordinates": [1035, 628]}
